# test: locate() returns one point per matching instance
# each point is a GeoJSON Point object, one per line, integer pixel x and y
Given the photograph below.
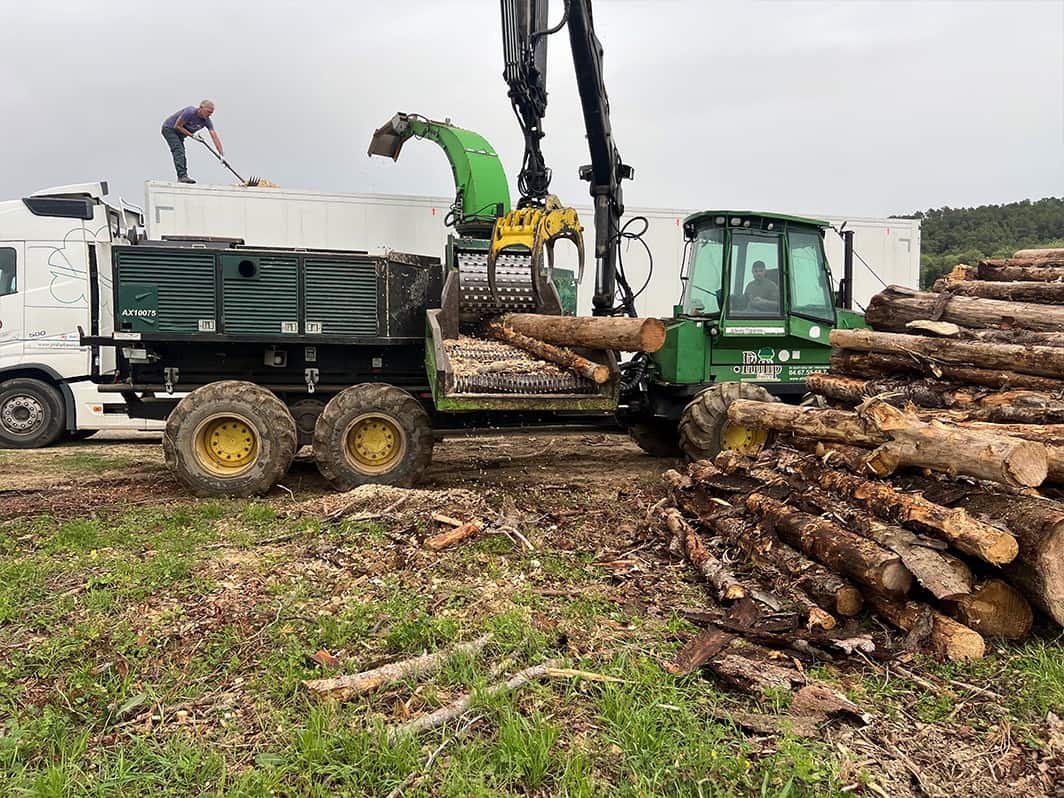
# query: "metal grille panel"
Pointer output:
{"type": "Point", "coordinates": [340, 296]}
{"type": "Point", "coordinates": [185, 283]}
{"type": "Point", "coordinates": [264, 304]}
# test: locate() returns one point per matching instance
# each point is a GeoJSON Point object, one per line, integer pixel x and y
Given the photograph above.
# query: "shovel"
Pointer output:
{"type": "Point", "coordinates": [254, 181]}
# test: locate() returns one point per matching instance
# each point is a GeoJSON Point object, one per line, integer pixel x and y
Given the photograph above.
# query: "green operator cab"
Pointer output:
{"type": "Point", "coordinates": [753, 323]}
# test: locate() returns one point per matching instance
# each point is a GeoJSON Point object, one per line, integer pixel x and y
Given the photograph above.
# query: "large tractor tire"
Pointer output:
{"type": "Point", "coordinates": [704, 427]}
{"type": "Point", "coordinates": [373, 433]}
{"type": "Point", "coordinates": [229, 438]}
{"type": "Point", "coordinates": [31, 414]}
{"type": "Point", "coordinates": [656, 438]}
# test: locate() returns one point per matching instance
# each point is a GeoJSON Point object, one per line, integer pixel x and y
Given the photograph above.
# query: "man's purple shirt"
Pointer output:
{"type": "Point", "coordinates": [192, 120]}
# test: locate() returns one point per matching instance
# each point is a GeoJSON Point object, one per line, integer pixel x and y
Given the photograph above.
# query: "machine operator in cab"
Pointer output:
{"type": "Point", "coordinates": [762, 294]}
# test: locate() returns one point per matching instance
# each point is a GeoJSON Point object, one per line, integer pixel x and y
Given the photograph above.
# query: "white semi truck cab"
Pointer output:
{"type": "Point", "coordinates": [54, 271]}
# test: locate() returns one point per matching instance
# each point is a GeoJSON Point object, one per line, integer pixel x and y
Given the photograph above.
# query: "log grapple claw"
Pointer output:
{"type": "Point", "coordinates": [536, 229]}
{"type": "Point", "coordinates": [517, 229]}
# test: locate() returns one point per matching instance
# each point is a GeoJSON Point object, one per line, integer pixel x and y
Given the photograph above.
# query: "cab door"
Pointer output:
{"type": "Point", "coordinates": [754, 326]}
{"type": "Point", "coordinates": [12, 302]}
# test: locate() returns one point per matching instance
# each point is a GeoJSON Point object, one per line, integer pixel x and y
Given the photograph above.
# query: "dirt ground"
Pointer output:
{"type": "Point", "coordinates": [571, 528]}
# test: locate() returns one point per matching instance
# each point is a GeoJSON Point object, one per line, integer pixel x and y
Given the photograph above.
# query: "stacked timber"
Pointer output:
{"type": "Point", "coordinates": [982, 352]}
{"type": "Point", "coordinates": [926, 479]}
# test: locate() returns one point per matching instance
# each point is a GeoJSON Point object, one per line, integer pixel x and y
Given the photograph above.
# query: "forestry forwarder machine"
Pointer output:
{"type": "Point", "coordinates": [369, 358]}
{"type": "Point", "coordinates": [724, 341]}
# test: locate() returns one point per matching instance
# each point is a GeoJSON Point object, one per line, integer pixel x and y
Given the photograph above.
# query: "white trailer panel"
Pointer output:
{"type": "Point", "coordinates": [292, 218]}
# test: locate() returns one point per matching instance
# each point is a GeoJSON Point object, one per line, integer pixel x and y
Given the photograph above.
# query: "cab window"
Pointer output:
{"type": "Point", "coordinates": [8, 284]}
{"type": "Point", "coordinates": [810, 283]}
{"type": "Point", "coordinates": [705, 270]}
{"type": "Point", "coordinates": [755, 276]}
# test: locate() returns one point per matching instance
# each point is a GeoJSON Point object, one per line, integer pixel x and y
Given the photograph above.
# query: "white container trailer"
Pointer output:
{"type": "Point", "coordinates": [294, 218]}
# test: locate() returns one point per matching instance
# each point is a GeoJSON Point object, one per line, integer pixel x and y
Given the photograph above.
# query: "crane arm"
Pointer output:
{"type": "Point", "coordinates": [525, 32]}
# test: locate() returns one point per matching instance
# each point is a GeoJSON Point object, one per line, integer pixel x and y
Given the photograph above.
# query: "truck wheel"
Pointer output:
{"type": "Point", "coordinates": [229, 438]}
{"type": "Point", "coordinates": [704, 426]}
{"type": "Point", "coordinates": [31, 414]}
{"type": "Point", "coordinates": [373, 433]}
{"type": "Point", "coordinates": [657, 438]}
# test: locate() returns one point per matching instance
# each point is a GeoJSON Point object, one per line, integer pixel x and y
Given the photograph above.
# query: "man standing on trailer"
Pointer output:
{"type": "Point", "coordinates": [182, 124]}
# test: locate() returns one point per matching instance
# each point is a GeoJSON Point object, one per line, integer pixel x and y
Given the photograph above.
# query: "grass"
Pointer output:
{"type": "Point", "coordinates": [159, 651]}
{"type": "Point", "coordinates": [91, 462]}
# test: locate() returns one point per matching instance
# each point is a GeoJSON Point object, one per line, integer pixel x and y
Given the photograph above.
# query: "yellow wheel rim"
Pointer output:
{"type": "Point", "coordinates": [374, 443]}
{"type": "Point", "coordinates": [227, 444]}
{"type": "Point", "coordinates": [737, 438]}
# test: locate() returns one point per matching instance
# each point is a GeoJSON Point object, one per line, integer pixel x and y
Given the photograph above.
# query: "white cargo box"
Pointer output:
{"type": "Point", "coordinates": [275, 217]}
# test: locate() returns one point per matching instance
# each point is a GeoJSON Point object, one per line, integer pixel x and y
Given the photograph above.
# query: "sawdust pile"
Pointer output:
{"type": "Point", "coordinates": [369, 500]}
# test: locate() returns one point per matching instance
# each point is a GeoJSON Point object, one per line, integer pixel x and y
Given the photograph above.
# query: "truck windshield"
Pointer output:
{"type": "Point", "coordinates": [705, 271]}
{"type": "Point", "coordinates": [810, 284]}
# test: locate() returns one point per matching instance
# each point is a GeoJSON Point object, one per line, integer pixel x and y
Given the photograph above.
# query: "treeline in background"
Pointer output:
{"type": "Point", "coordinates": [968, 235]}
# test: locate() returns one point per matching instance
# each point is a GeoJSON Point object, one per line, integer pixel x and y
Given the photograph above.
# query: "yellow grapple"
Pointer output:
{"type": "Point", "coordinates": [536, 229]}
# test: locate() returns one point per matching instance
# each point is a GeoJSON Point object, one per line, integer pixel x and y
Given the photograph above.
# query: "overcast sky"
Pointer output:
{"type": "Point", "coordinates": [855, 108]}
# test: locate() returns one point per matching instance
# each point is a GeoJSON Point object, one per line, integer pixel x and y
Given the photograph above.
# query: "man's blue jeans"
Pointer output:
{"type": "Point", "coordinates": [176, 142]}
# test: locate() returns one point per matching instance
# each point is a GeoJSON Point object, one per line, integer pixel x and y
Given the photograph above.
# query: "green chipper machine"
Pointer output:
{"type": "Point", "coordinates": [249, 352]}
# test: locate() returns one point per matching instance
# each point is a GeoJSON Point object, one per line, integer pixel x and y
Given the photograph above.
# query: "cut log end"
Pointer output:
{"type": "Point", "coordinates": [1028, 464]}
{"type": "Point", "coordinates": [1001, 551]}
{"type": "Point", "coordinates": [996, 609]}
{"type": "Point", "coordinates": [896, 578]}
{"type": "Point", "coordinates": [819, 619]}
{"type": "Point", "coordinates": [848, 601]}
{"type": "Point", "coordinates": [952, 640]}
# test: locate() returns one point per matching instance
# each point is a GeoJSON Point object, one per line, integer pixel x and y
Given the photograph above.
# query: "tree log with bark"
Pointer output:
{"type": "Point", "coordinates": [1038, 525]}
{"type": "Point", "coordinates": [953, 640]}
{"type": "Point", "coordinates": [829, 590]}
{"type": "Point", "coordinates": [594, 332]}
{"type": "Point", "coordinates": [941, 574]}
{"type": "Point", "coordinates": [1006, 271]}
{"type": "Point", "coordinates": [724, 583]}
{"type": "Point", "coordinates": [1048, 434]}
{"type": "Point", "coordinates": [892, 308]}
{"type": "Point", "coordinates": [961, 529]}
{"type": "Point", "coordinates": [849, 554]}
{"type": "Point", "coordinates": [1041, 293]}
{"type": "Point", "coordinates": [966, 402]}
{"type": "Point", "coordinates": [1039, 433]}
{"type": "Point", "coordinates": [875, 365]}
{"type": "Point", "coordinates": [1041, 255]}
{"type": "Point", "coordinates": [596, 372]}
{"type": "Point", "coordinates": [1043, 361]}
{"type": "Point", "coordinates": [904, 440]}
{"type": "Point", "coordinates": [945, 329]}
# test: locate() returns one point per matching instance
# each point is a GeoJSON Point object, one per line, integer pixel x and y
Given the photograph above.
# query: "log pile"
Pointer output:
{"type": "Point", "coordinates": [551, 338]}
{"type": "Point", "coordinates": [924, 484]}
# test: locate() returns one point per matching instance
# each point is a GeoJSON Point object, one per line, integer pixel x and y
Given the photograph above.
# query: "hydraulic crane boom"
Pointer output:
{"type": "Point", "coordinates": [525, 31]}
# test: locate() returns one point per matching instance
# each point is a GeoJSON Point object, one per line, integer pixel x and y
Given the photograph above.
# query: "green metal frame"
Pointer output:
{"type": "Point", "coordinates": [481, 191]}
